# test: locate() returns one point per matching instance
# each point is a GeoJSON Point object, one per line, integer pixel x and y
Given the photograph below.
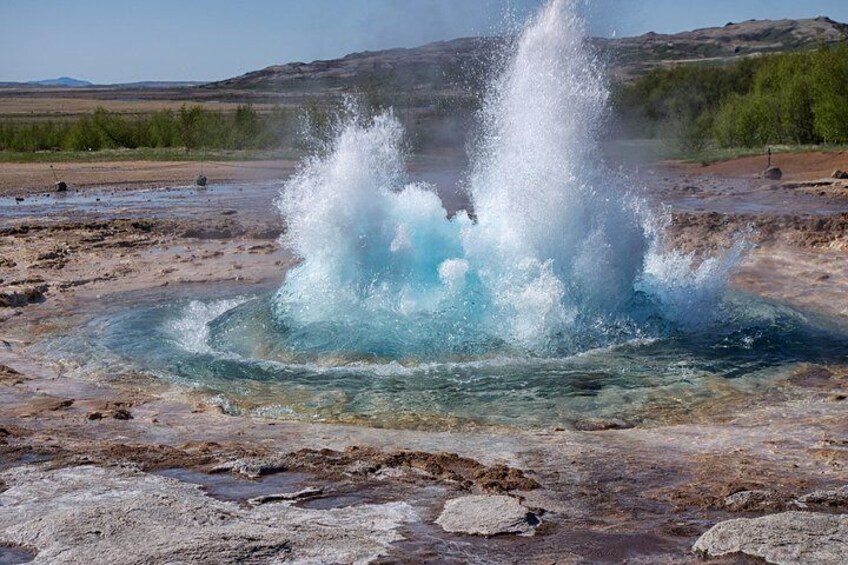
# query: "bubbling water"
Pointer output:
{"type": "Point", "coordinates": [562, 256]}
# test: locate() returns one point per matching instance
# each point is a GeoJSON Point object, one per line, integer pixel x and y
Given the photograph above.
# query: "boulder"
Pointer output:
{"type": "Point", "coordinates": [787, 538]}
{"type": "Point", "coordinates": [839, 175]}
{"type": "Point", "coordinates": [61, 186]}
{"type": "Point", "coordinates": [200, 180]}
{"type": "Point", "coordinates": [487, 515]}
{"type": "Point", "coordinates": [772, 173]}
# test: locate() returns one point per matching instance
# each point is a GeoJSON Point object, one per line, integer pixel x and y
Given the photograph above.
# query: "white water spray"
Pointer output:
{"type": "Point", "coordinates": [562, 255]}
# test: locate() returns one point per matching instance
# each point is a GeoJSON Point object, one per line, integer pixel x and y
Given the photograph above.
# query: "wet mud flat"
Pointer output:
{"type": "Point", "coordinates": [127, 461]}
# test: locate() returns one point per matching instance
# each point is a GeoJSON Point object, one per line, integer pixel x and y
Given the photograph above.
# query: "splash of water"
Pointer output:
{"type": "Point", "coordinates": [562, 256]}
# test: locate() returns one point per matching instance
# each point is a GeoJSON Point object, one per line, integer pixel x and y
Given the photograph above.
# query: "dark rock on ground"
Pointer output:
{"type": "Point", "coordinates": [772, 173]}
{"type": "Point", "coordinates": [21, 295]}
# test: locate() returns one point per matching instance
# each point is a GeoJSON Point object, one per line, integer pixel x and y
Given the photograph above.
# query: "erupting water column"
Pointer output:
{"type": "Point", "coordinates": [562, 257]}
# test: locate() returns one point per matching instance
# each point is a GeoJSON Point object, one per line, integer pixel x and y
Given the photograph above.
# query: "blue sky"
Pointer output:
{"type": "Point", "coordinates": [130, 40]}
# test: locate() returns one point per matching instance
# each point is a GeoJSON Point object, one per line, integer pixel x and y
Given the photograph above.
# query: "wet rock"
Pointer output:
{"type": "Point", "coordinates": [835, 498]}
{"type": "Point", "coordinates": [487, 515]}
{"type": "Point", "coordinates": [254, 467]}
{"type": "Point", "coordinates": [839, 174]}
{"type": "Point", "coordinates": [17, 296]}
{"type": "Point", "coordinates": [307, 492]}
{"type": "Point", "coordinates": [786, 538]}
{"type": "Point", "coordinates": [120, 516]}
{"type": "Point", "coordinates": [772, 173]}
{"type": "Point", "coordinates": [601, 424]}
{"type": "Point", "coordinates": [201, 180]}
{"type": "Point", "coordinates": [61, 186]}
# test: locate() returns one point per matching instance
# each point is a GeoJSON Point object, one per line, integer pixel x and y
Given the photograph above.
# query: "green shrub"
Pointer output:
{"type": "Point", "coordinates": [189, 128]}
{"type": "Point", "coordinates": [792, 98]}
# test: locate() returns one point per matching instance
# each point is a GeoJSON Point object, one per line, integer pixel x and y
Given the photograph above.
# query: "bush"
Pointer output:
{"type": "Point", "coordinates": [792, 98]}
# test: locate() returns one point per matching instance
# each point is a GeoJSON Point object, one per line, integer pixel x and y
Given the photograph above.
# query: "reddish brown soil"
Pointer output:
{"type": "Point", "coordinates": [795, 166]}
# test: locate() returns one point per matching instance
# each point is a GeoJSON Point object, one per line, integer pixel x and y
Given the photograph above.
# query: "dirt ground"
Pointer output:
{"type": "Point", "coordinates": [32, 178]}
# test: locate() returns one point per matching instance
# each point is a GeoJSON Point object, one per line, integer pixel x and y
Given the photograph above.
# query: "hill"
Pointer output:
{"type": "Point", "coordinates": [61, 81]}
{"type": "Point", "coordinates": [458, 64]}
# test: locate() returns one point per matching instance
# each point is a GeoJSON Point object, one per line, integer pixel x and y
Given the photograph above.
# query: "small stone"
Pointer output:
{"type": "Point", "coordinates": [61, 186]}
{"type": "Point", "coordinates": [839, 174]}
{"type": "Point", "coordinates": [487, 515]}
{"type": "Point", "coordinates": [200, 180]}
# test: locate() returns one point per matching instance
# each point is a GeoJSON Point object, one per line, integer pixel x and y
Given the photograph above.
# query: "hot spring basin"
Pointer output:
{"type": "Point", "coordinates": [236, 352]}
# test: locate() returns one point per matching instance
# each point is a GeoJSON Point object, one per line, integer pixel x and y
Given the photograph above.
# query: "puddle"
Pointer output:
{"type": "Point", "coordinates": [226, 487]}
{"type": "Point", "coordinates": [427, 542]}
{"type": "Point", "coordinates": [12, 555]}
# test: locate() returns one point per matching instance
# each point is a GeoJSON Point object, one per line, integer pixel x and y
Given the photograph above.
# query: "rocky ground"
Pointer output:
{"type": "Point", "coordinates": [129, 470]}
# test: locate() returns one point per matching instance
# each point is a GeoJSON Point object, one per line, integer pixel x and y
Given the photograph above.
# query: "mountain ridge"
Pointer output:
{"type": "Point", "coordinates": [441, 65]}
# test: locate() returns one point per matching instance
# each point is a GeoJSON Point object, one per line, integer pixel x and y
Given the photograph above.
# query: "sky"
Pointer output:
{"type": "Point", "coordinates": [112, 41]}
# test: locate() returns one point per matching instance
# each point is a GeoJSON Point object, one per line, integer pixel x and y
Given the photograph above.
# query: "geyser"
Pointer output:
{"type": "Point", "coordinates": [562, 255]}
{"type": "Point", "coordinates": [557, 301]}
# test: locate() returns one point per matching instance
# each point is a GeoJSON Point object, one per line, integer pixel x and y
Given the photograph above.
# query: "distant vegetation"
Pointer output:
{"type": "Point", "coordinates": [190, 128]}
{"type": "Point", "coordinates": [793, 98]}
{"type": "Point", "coordinates": [193, 129]}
